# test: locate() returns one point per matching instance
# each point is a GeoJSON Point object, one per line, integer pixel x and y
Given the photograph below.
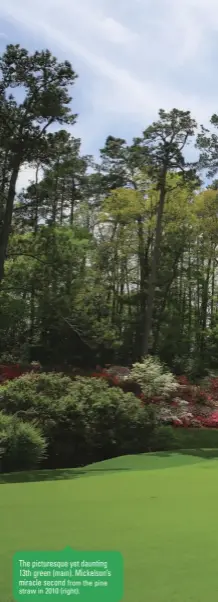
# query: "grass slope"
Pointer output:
{"type": "Point", "coordinates": [160, 511]}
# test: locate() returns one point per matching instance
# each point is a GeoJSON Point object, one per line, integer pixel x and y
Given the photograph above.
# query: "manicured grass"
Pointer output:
{"type": "Point", "coordinates": [159, 510]}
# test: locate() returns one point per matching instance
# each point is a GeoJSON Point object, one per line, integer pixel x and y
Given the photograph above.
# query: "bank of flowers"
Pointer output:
{"type": "Point", "coordinates": [12, 371]}
{"type": "Point", "coordinates": [185, 405]}
{"type": "Point", "coordinates": [191, 406]}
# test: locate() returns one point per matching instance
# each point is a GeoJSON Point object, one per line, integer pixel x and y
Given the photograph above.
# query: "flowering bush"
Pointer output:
{"type": "Point", "coordinates": [213, 387]}
{"type": "Point", "coordinates": [155, 381]}
{"type": "Point", "coordinates": [201, 396]}
{"type": "Point", "coordinates": [12, 371]}
{"type": "Point", "coordinates": [193, 406]}
{"type": "Point", "coordinates": [118, 376]}
{"type": "Point", "coordinates": [176, 402]}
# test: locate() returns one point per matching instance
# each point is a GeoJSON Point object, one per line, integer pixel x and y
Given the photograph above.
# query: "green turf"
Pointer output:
{"type": "Point", "coordinates": [160, 511]}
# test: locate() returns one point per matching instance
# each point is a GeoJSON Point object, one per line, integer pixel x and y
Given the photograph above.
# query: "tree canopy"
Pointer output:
{"type": "Point", "coordinates": [103, 261]}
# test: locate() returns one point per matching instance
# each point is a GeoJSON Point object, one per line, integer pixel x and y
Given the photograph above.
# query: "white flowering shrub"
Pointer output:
{"type": "Point", "coordinates": [154, 379]}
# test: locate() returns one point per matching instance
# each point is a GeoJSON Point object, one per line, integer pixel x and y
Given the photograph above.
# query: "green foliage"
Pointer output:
{"type": "Point", "coordinates": [102, 263]}
{"type": "Point", "coordinates": [46, 98]}
{"type": "Point", "coordinates": [82, 420]}
{"type": "Point", "coordinates": [194, 438]}
{"type": "Point", "coordinates": [164, 140]}
{"type": "Point", "coordinates": [153, 378]}
{"type": "Point", "coordinates": [34, 394]}
{"type": "Point", "coordinates": [22, 445]}
{"type": "Point", "coordinates": [115, 421]}
{"type": "Point", "coordinates": [165, 439]}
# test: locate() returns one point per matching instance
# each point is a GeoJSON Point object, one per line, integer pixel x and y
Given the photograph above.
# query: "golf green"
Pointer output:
{"type": "Point", "coordinates": [160, 511]}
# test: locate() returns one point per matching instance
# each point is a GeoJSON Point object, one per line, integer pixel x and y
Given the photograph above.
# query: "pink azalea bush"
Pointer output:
{"type": "Point", "coordinates": [178, 402]}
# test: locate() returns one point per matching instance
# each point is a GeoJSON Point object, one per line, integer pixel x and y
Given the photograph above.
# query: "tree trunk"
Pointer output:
{"type": "Point", "coordinates": [143, 269]}
{"type": "Point", "coordinates": [189, 301]}
{"type": "Point", "coordinates": [154, 266]}
{"type": "Point", "coordinates": [205, 297]}
{"type": "Point", "coordinates": [165, 299]}
{"type": "Point", "coordinates": [212, 292]}
{"type": "Point", "coordinates": [62, 204]}
{"type": "Point", "coordinates": [7, 219]}
{"type": "Point", "coordinates": [72, 203]}
{"type": "Point", "coordinates": [55, 201]}
{"type": "Point", "coordinates": [35, 230]}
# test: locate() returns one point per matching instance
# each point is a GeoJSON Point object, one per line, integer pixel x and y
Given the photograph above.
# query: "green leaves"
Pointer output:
{"type": "Point", "coordinates": [89, 247]}
{"type": "Point", "coordinates": [207, 144]}
{"type": "Point", "coordinates": [165, 140]}
{"type": "Point", "coordinates": [46, 99]}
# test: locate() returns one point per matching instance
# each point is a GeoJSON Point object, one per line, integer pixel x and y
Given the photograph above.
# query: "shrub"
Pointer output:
{"type": "Point", "coordinates": [22, 445]}
{"type": "Point", "coordinates": [82, 420]}
{"type": "Point", "coordinates": [5, 422]}
{"type": "Point", "coordinates": [165, 439]}
{"type": "Point", "coordinates": [200, 396]}
{"type": "Point", "coordinates": [31, 390]}
{"type": "Point", "coordinates": [118, 376]}
{"type": "Point", "coordinates": [197, 438]}
{"type": "Point", "coordinates": [213, 387]}
{"type": "Point", "coordinates": [153, 378]}
{"type": "Point", "coordinates": [97, 422]}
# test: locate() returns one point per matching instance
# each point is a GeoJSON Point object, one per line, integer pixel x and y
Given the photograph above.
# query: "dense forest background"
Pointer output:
{"type": "Point", "coordinates": [103, 262]}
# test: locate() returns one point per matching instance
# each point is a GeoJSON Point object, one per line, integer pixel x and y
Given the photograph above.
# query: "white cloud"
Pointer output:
{"type": "Point", "coordinates": [189, 26]}
{"type": "Point", "coordinates": [116, 33]}
{"type": "Point", "coordinates": [141, 56]}
{"type": "Point", "coordinates": [103, 26]}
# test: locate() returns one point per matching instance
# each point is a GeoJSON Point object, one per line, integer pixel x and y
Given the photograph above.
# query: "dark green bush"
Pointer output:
{"type": "Point", "coordinates": [105, 421]}
{"type": "Point", "coordinates": [196, 438]}
{"type": "Point", "coordinates": [82, 420]}
{"type": "Point", "coordinates": [96, 422]}
{"type": "Point", "coordinates": [169, 438]}
{"type": "Point", "coordinates": [165, 438]}
{"type": "Point", "coordinates": [22, 445]}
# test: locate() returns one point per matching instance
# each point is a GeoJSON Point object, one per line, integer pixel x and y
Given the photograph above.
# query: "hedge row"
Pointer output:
{"type": "Point", "coordinates": [53, 421]}
{"type": "Point", "coordinates": [169, 438]}
{"type": "Point", "coordinates": [81, 421]}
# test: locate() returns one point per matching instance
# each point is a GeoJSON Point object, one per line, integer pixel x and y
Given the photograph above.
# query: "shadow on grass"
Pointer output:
{"type": "Point", "coordinates": [140, 462]}
{"type": "Point", "coordinates": [61, 474]}
{"type": "Point", "coordinates": [205, 454]}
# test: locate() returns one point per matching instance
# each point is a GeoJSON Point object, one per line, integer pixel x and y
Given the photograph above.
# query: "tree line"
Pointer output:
{"type": "Point", "coordinates": [103, 261]}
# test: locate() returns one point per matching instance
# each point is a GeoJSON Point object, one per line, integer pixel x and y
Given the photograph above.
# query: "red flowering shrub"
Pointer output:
{"type": "Point", "coordinates": [213, 388]}
{"type": "Point", "coordinates": [118, 376]}
{"type": "Point", "coordinates": [177, 422]}
{"type": "Point", "coordinates": [12, 371]}
{"type": "Point", "coordinates": [211, 421]}
{"type": "Point", "coordinates": [192, 406]}
{"type": "Point", "coordinates": [188, 406]}
{"type": "Point", "coordinates": [214, 416]}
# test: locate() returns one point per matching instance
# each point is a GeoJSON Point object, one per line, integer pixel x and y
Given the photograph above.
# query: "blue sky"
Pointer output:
{"type": "Point", "coordinates": [132, 57]}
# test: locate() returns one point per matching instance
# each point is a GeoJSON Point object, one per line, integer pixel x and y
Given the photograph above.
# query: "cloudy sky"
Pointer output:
{"type": "Point", "coordinates": [132, 57]}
